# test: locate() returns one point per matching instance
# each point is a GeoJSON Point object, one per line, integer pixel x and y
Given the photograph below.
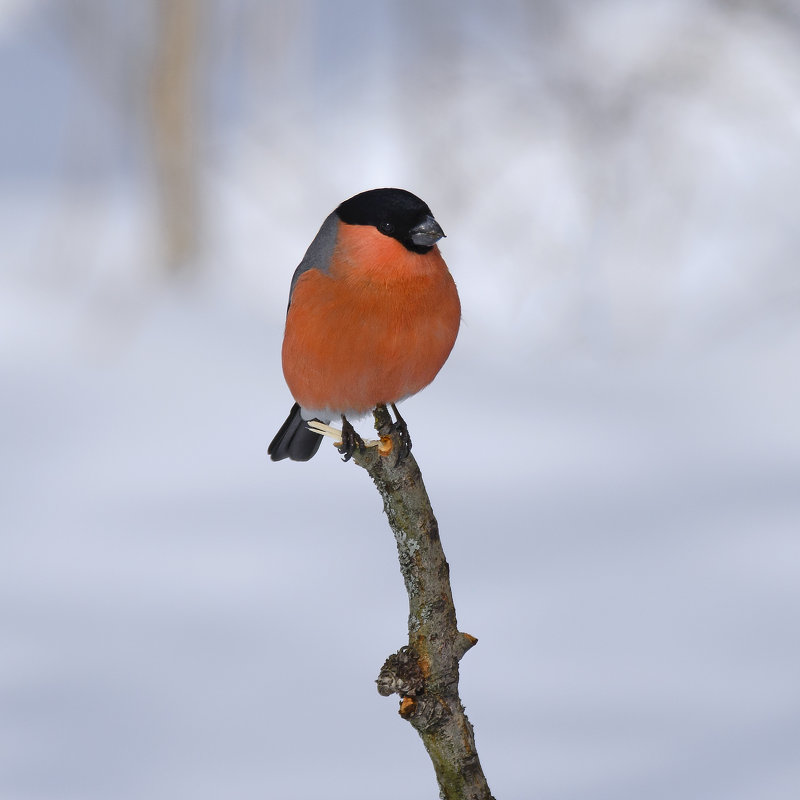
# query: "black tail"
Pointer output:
{"type": "Point", "coordinates": [294, 440]}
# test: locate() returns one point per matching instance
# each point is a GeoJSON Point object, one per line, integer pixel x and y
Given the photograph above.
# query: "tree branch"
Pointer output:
{"type": "Point", "coordinates": [425, 671]}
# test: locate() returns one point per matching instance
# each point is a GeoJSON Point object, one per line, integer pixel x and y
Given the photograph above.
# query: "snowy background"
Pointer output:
{"type": "Point", "coordinates": [613, 449]}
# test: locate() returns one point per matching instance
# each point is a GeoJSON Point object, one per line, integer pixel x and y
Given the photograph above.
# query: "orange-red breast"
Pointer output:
{"type": "Point", "coordinates": [373, 315]}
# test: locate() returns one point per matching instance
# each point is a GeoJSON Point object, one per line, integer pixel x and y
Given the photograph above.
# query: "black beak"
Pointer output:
{"type": "Point", "coordinates": [427, 233]}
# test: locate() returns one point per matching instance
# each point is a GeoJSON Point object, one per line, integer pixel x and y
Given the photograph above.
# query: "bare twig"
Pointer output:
{"type": "Point", "coordinates": [425, 671]}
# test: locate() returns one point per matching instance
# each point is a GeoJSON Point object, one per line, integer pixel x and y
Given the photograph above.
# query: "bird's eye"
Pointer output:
{"type": "Point", "coordinates": [387, 228]}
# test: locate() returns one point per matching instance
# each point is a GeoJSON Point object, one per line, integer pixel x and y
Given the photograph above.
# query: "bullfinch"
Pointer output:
{"type": "Point", "coordinates": [373, 315]}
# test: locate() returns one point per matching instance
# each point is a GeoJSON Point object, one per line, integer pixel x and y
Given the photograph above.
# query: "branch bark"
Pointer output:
{"type": "Point", "coordinates": [425, 671]}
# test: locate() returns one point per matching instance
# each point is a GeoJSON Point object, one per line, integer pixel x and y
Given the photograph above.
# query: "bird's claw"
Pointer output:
{"type": "Point", "coordinates": [351, 441]}
{"type": "Point", "coordinates": [400, 430]}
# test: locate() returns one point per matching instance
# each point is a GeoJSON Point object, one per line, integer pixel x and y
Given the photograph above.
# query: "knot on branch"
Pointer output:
{"type": "Point", "coordinates": [425, 713]}
{"type": "Point", "coordinates": [401, 674]}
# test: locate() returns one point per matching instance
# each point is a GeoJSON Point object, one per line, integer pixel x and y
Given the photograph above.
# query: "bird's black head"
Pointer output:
{"type": "Point", "coordinates": [396, 213]}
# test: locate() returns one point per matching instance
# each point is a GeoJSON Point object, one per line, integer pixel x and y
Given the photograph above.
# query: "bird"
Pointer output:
{"type": "Point", "coordinates": [373, 315]}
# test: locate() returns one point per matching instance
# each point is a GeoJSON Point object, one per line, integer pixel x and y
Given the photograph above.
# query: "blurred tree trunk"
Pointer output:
{"type": "Point", "coordinates": [174, 124]}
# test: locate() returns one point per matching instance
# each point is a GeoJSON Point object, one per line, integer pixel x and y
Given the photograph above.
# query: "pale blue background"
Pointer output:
{"type": "Point", "coordinates": [613, 449]}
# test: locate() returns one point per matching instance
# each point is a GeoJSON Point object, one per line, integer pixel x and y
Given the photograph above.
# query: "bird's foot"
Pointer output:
{"type": "Point", "coordinates": [400, 430]}
{"type": "Point", "coordinates": [351, 441]}
{"type": "Point", "coordinates": [323, 429]}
